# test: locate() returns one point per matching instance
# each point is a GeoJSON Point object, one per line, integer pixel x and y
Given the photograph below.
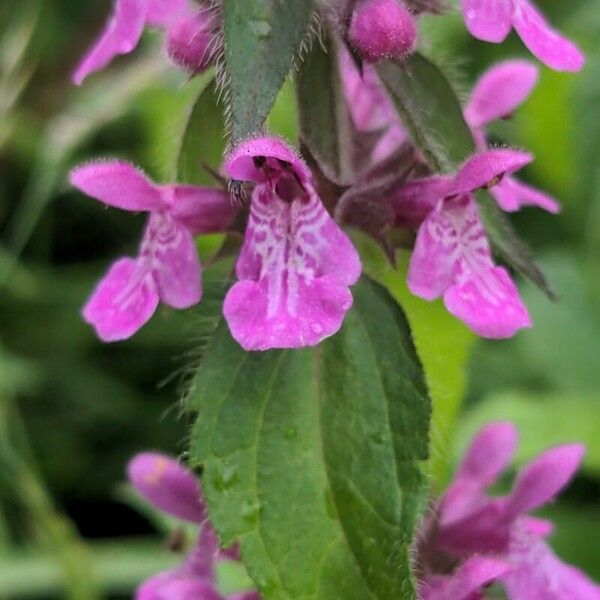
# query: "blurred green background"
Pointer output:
{"type": "Point", "coordinates": [72, 411]}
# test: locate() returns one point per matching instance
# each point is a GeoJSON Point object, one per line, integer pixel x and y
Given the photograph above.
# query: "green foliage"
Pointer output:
{"type": "Point", "coordinates": [324, 119]}
{"type": "Point", "coordinates": [262, 39]}
{"type": "Point", "coordinates": [430, 110]}
{"type": "Point", "coordinates": [203, 140]}
{"type": "Point", "coordinates": [443, 344]}
{"type": "Point", "coordinates": [311, 457]}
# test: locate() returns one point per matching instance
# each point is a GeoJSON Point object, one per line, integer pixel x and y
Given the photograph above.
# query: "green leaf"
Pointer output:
{"type": "Point", "coordinates": [311, 457]}
{"type": "Point", "coordinates": [432, 113]}
{"type": "Point", "coordinates": [262, 39]}
{"type": "Point", "coordinates": [430, 110]}
{"type": "Point", "coordinates": [562, 348]}
{"type": "Point", "coordinates": [324, 119]}
{"type": "Point", "coordinates": [443, 344]}
{"type": "Point", "coordinates": [203, 139]}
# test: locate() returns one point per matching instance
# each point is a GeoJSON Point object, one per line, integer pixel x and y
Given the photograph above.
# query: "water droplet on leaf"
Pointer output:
{"type": "Point", "coordinates": [251, 510]}
{"type": "Point", "coordinates": [260, 28]}
{"type": "Point", "coordinates": [226, 476]}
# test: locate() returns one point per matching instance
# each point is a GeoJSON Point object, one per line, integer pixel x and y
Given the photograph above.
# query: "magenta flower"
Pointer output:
{"type": "Point", "coordinates": [370, 107]}
{"type": "Point", "coordinates": [496, 96]}
{"type": "Point", "coordinates": [167, 267]}
{"type": "Point", "coordinates": [296, 265]}
{"type": "Point", "coordinates": [466, 581]}
{"type": "Point", "coordinates": [492, 20]}
{"type": "Point", "coordinates": [172, 489]}
{"type": "Point", "coordinates": [382, 29]}
{"type": "Point", "coordinates": [189, 40]}
{"type": "Point", "coordinates": [452, 256]}
{"type": "Point", "coordinates": [471, 523]}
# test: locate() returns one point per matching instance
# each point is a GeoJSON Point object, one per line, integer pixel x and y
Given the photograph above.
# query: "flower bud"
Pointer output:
{"type": "Point", "coordinates": [382, 29]}
{"type": "Point", "coordinates": [167, 485]}
{"type": "Point", "coordinates": [190, 42]}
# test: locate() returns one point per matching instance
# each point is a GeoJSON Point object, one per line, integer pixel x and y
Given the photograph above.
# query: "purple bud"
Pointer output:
{"type": "Point", "coordinates": [190, 42]}
{"type": "Point", "coordinates": [382, 29]}
{"type": "Point", "coordinates": [167, 485]}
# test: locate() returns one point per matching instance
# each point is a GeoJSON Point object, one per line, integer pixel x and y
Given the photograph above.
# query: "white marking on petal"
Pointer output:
{"type": "Point", "coordinates": [287, 236]}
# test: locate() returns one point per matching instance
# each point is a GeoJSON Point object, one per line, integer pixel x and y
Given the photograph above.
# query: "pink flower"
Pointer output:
{"type": "Point", "coordinates": [470, 523]}
{"type": "Point", "coordinates": [172, 489]}
{"type": "Point", "coordinates": [492, 20]}
{"type": "Point", "coordinates": [496, 96]}
{"type": "Point", "coordinates": [296, 265]}
{"type": "Point", "coordinates": [382, 29]}
{"type": "Point", "coordinates": [466, 581]}
{"type": "Point", "coordinates": [371, 109]}
{"type": "Point", "coordinates": [167, 267]}
{"type": "Point", "coordinates": [188, 34]}
{"type": "Point", "coordinates": [452, 256]}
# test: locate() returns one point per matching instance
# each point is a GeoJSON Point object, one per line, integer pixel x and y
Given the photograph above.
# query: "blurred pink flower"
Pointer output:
{"type": "Point", "coordinates": [471, 525]}
{"type": "Point", "coordinates": [492, 21]}
{"type": "Point", "coordinates": [371, 109]}
{"type": "Point", "coordinates": [172, 489]}
{"type": "Point", "coordinates": [498, 93]}
{"type": "Point", "coordinates": [189, 40]}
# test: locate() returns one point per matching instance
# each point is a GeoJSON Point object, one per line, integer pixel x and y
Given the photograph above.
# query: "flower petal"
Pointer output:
{"type": "Point", "coordinates": [175, 263]}
{"type": "Point", "coordinates": [161, 13]}
{"type": "Point", "coordinates": [121, 36]}
{"type": "Point", "coordinates": [118, 184]}
{"type": "Point", "coordinates": [369, 105]}
{"type": "Point", "coordinates": [415, 200]}
{"type": "Point", "coordinates": [123, 301]}
{"type": "Point", "coordinates": [538, 574]}
{"type": "Point", "coordinates": [537, 527]}
{"type": "Point", "coordinates": [241, 162]}
{"type": "Point", "coordinates": [554, 50]}
{"type": "Point", "coordinates": [190, 42]}
{"type": "Point", "coordinates": [466, 581]}
{"type": "Point", "coordinates": [435, 255]}
{"type": "Point", "coordinates": [488, 20]}
{"type": "Point", "coordinates": [201, 209]}
{"type": "Point", "coordinates": [486, 168]}
{"type": "Point", "coordinates": [511, 195]}
{"type": "Point", "coordinates": [151, 589]}
{"type": "Point", "coordinates": [295, 269]}
{"type": "Point", "coordinates": [200, 561]}
{"type": "Point", "coordinates": [489, 454]}
{"type": "Point", "coordinates": [189, 589]}
{"type": "Point", "coordinates": [544, 477]}
{"type": "Point", "coordinates": [452, 256]}
{"type": "Point", "coordinates": [167, 485]}
{"type": "Point", "coordinates": [500, 91]}
{"type": "Point", "coordinates": [252, 595]}
{"type": "Point", "coordinates": [488, 302]}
